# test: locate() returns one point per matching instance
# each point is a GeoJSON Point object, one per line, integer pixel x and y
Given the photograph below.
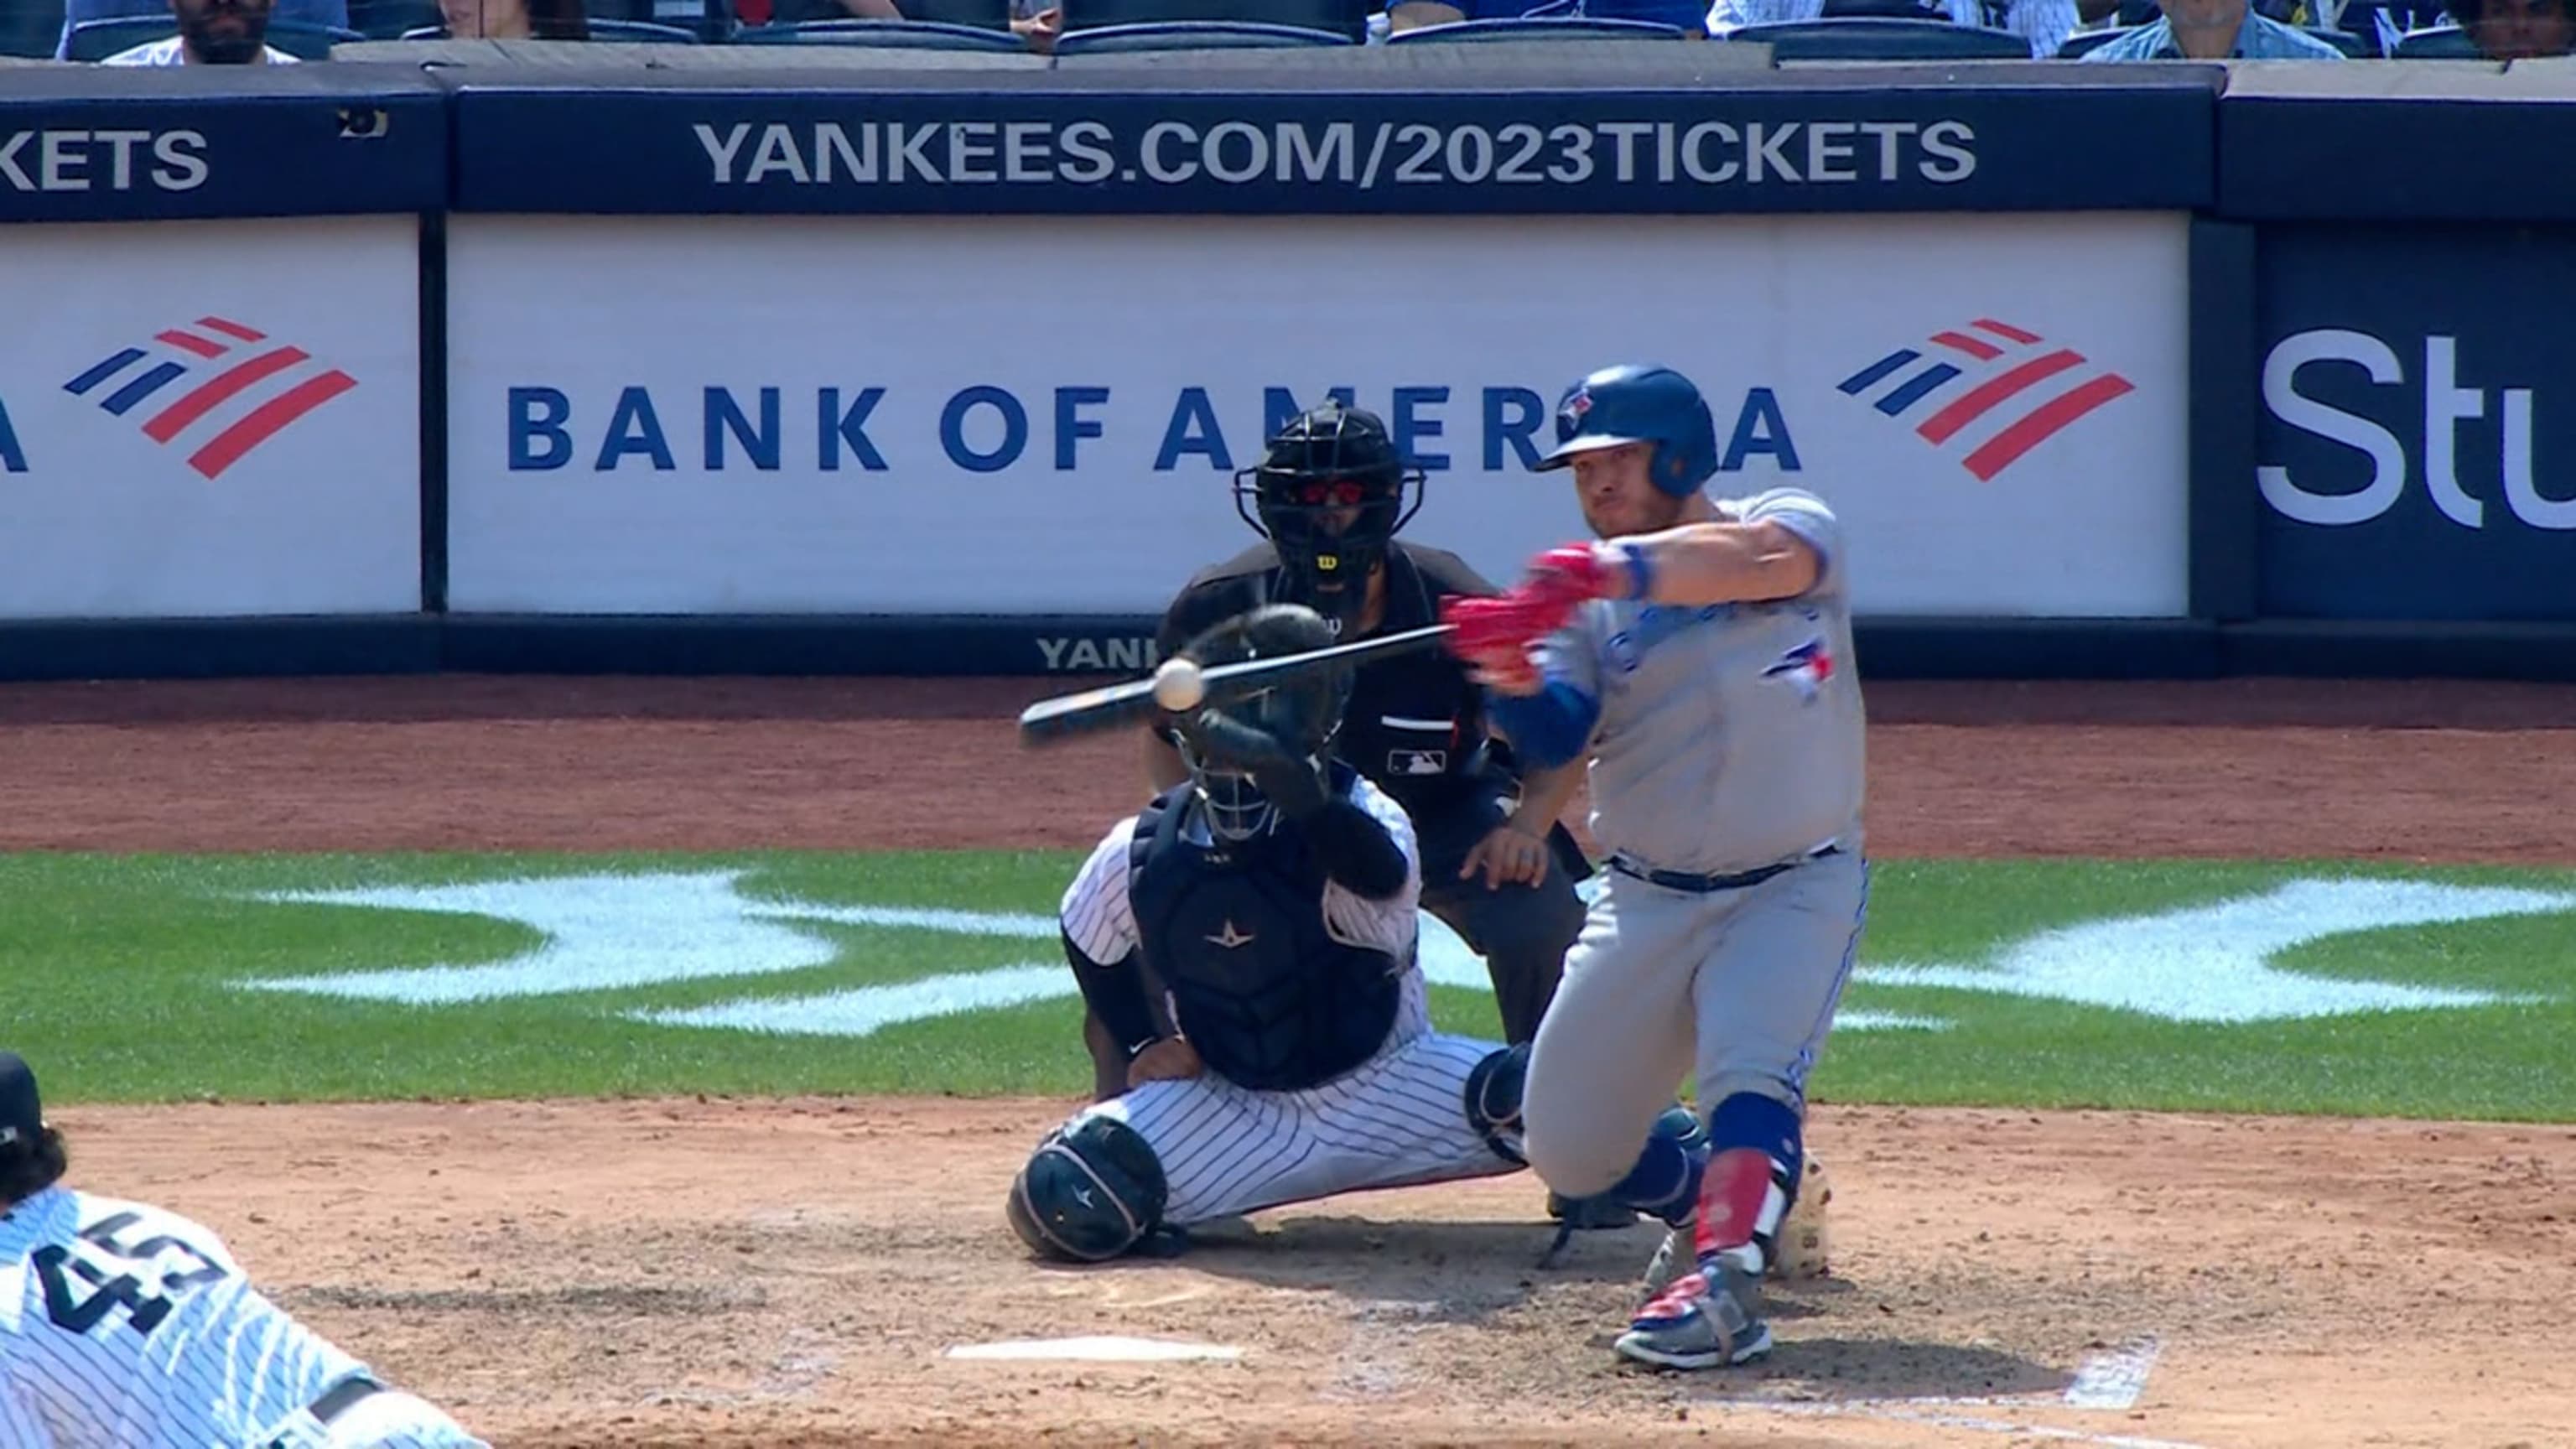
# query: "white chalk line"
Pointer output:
{"type": "Point", "coordinates": [2109, 1382]}
{"type": "Point", "coordinates": [1896, 1412]}
{"type": "Point", "coordinates": [2114, 1380]}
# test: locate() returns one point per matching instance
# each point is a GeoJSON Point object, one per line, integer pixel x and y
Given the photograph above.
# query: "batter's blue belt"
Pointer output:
{"type": "Point", "coordinates": [1675, 880]}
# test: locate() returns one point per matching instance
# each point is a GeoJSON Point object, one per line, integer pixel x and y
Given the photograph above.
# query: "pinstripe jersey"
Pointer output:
{"type": "Point", "coordinates": [123, 1324]}
{"type": "Point", "coordinates": [1101, 918]}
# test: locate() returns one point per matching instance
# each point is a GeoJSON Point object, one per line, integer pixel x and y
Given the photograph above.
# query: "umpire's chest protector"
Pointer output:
{"type": "Point", "coordinates": [1264, 993]}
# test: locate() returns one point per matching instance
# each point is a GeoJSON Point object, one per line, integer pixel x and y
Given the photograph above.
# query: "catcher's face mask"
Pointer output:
{"type": "Point", "coordinates": [1235, 808]}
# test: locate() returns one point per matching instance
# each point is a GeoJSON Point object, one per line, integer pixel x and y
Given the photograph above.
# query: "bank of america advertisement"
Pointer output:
{"type": "Point", "coordinates": [210, 419]}
{"type": "Point", "coordinates": [1024, 416]}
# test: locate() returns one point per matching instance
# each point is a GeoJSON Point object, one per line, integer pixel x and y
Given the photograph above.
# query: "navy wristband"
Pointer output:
{"type": "Point", "coordinates": [1641, 572]}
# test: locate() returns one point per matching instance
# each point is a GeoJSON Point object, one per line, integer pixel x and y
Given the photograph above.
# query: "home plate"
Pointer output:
{"type": "Point", "coordinates": [1095, 1350]}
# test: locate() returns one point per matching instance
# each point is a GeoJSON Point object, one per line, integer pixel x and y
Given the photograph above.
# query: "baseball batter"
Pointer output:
{"type": "Point", "coordinates": [1274, 895]}
{"type": "Point", "coordinates": [124, 1326]}
{"type": "Point", "coordinates": [1700, 653]}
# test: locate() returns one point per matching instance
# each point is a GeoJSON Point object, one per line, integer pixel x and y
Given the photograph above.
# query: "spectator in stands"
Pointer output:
{"type": "Point", "coordinates": [2214, 30]}
{"type": "Point", "coordinates": [1687, 15]}
{"type": "Point", "coordinates": [514, 19]}
{"type": "Point", "coordinates": [2518, 29]}
{"type": "Point", "coordinates": [1038, 22]}
{"type": "Point", "coordinates": [332, 13]}
{"type": "Point", "coordinates": [2044, 23]}
{"type": "Point", "coordinates": [211, 32]}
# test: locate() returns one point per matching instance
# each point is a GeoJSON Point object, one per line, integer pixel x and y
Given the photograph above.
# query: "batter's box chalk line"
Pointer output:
{"type": "Point", "coordinates": [1098, 1348]}
{"type": "Point", "coordinates": [2108, 1382]}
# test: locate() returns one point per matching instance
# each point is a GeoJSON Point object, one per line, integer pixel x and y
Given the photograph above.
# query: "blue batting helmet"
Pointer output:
{"type": "Point", "coordinates": [1640, 404]}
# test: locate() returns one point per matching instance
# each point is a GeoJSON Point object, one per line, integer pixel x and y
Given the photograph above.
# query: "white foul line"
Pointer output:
{"type": "Point", "coordinates": [2108, 1381]}
{"type": "Point", "coordinates": [1893, 1411]}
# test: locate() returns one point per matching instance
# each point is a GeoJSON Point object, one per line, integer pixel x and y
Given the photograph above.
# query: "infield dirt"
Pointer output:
{"type": "Point", "coordinates": [791, 1273]}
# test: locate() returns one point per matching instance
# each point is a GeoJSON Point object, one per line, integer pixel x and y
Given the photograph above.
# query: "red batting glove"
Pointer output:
{"type": "Point", "coordinates": [1573, 574]}
{"type": "Point", "coordinates": [1485, 631]}
{"type": "Point", "coordinates": [1494, 636]}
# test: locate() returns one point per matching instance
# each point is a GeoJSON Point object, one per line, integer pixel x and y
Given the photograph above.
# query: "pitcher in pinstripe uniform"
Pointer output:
{"type": "Point", "coordinates": [127, 1326]}
{"type": "Point", "coordinates": [1274, 894]}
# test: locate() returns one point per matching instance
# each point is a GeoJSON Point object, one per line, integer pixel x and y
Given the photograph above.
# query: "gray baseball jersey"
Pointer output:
{"type": "Point", "coordinates": [1730, 736]}
{"type": "Point", "coordinates": [1729, 741]}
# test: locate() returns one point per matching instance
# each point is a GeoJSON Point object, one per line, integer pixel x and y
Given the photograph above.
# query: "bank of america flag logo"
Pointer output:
{"type": "Point", "coordinates": [234, 389]}
{"type": "Point", "coordinates": [1994, 390]}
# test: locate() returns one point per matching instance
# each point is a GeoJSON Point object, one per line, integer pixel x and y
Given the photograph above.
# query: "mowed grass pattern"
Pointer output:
{"type": "Point", "coordinates": [117, 978]}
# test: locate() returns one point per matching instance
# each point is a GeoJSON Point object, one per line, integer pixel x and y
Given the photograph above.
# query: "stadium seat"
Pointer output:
{"type": "Point", "coordinates": [30, 29]}
{"type": "Point", "coordinates": [1192, 35]}
{"type": "Point", "coordinates": [2085, 41]}
{"type": "Point", "coordinates": [1884, 10]}
{"type": "Point", "coordinates": [2439, 42]}
{"type": "Point", "coordinates": [389, 19]}
{"type": "Point", "coordinates": [899, 34]}
{"type": "Point", "coordinates": [1546, 29]}
{"type": "Point", "coordinates": [1345, 18]}
{"type": "Point", "coordinates": [977, 14]}
{"type": "Point", "coordinates": [2358, 47]}
{"type": "Point", "coordinates": [94, 40]}
{"type": "Point", "coordinates": [626, 32]}
{"type": "Point", "coordinates": [1879, 38]}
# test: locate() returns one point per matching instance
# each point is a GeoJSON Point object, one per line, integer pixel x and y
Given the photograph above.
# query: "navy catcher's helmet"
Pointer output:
{"type": "Point", "coordinates": [1302, 717]}
{"type": "Point", "coordinates": [1322, 465]}
{"type": "Point", "coordinates": [1640, 404]}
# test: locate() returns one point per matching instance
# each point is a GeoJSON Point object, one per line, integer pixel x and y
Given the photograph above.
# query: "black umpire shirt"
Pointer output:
{"type": "Point", "coordinates": [1416, 722]}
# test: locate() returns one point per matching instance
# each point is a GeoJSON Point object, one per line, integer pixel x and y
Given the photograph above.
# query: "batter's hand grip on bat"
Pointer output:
{"type": "Point", "coordinates": [1112, 706]}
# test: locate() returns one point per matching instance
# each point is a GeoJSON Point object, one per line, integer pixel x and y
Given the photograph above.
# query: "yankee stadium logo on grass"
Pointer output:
{"type": "Point", "coordinates": [1995, 364]}
{"type": "Point", "coordinates": [243, 393]}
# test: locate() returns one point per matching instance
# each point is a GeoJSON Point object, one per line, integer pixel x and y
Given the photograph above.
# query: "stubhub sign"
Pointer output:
{"type": "Point", "coordinates": [2418, 437]}
{"type": "Point", "coordinates": [1009, 416]}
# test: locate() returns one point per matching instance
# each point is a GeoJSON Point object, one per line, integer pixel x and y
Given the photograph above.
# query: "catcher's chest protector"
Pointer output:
{"type": "Point", "coordinates": [1269, 999]}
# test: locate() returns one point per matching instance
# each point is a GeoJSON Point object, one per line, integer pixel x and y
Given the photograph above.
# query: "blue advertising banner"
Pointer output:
{"type": "Point", "coordinates": [1768, 145]}
{"type": "Point", "coordinates": [177, 143]}
{"type": "Point", "coordinates": [2417, 442]}
{"type": "Point", "coordinates": [2397, 143]}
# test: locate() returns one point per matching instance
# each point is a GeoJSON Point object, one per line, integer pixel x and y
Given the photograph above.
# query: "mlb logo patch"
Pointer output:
{"type": "Point", "coordinates": [1417, 762]}
{"type": "Point", "coordinates": [1804, 668]}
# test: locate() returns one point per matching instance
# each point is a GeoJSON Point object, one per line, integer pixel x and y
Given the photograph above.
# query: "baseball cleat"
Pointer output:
{"type": "Point", "coordinates": [1697, 1324]}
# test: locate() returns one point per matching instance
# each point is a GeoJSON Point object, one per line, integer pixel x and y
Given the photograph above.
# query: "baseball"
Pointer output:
{"type": "Point", "coordinates": [1178, 685]}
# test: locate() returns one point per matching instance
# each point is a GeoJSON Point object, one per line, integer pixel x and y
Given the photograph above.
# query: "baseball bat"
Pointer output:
{"type": "Point", "coordinates": [1113, 705]}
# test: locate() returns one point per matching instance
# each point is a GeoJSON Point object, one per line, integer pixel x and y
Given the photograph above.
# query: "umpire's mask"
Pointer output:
{"type": "Point", "coordinates": [1330, 492]}
{"type": "Point", "coordinates": [1302, 716]}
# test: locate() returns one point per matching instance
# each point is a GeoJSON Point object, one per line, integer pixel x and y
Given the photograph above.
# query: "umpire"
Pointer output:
{"type": "Point", "coordinates": [1328, 496]}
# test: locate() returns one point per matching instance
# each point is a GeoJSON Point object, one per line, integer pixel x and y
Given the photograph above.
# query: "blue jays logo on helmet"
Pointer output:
{"type": "Point", "coordinates": [1639, 404]}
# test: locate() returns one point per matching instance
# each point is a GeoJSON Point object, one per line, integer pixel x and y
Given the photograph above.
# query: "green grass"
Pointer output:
{"type": "Point", "coordinates": [119, 980]}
